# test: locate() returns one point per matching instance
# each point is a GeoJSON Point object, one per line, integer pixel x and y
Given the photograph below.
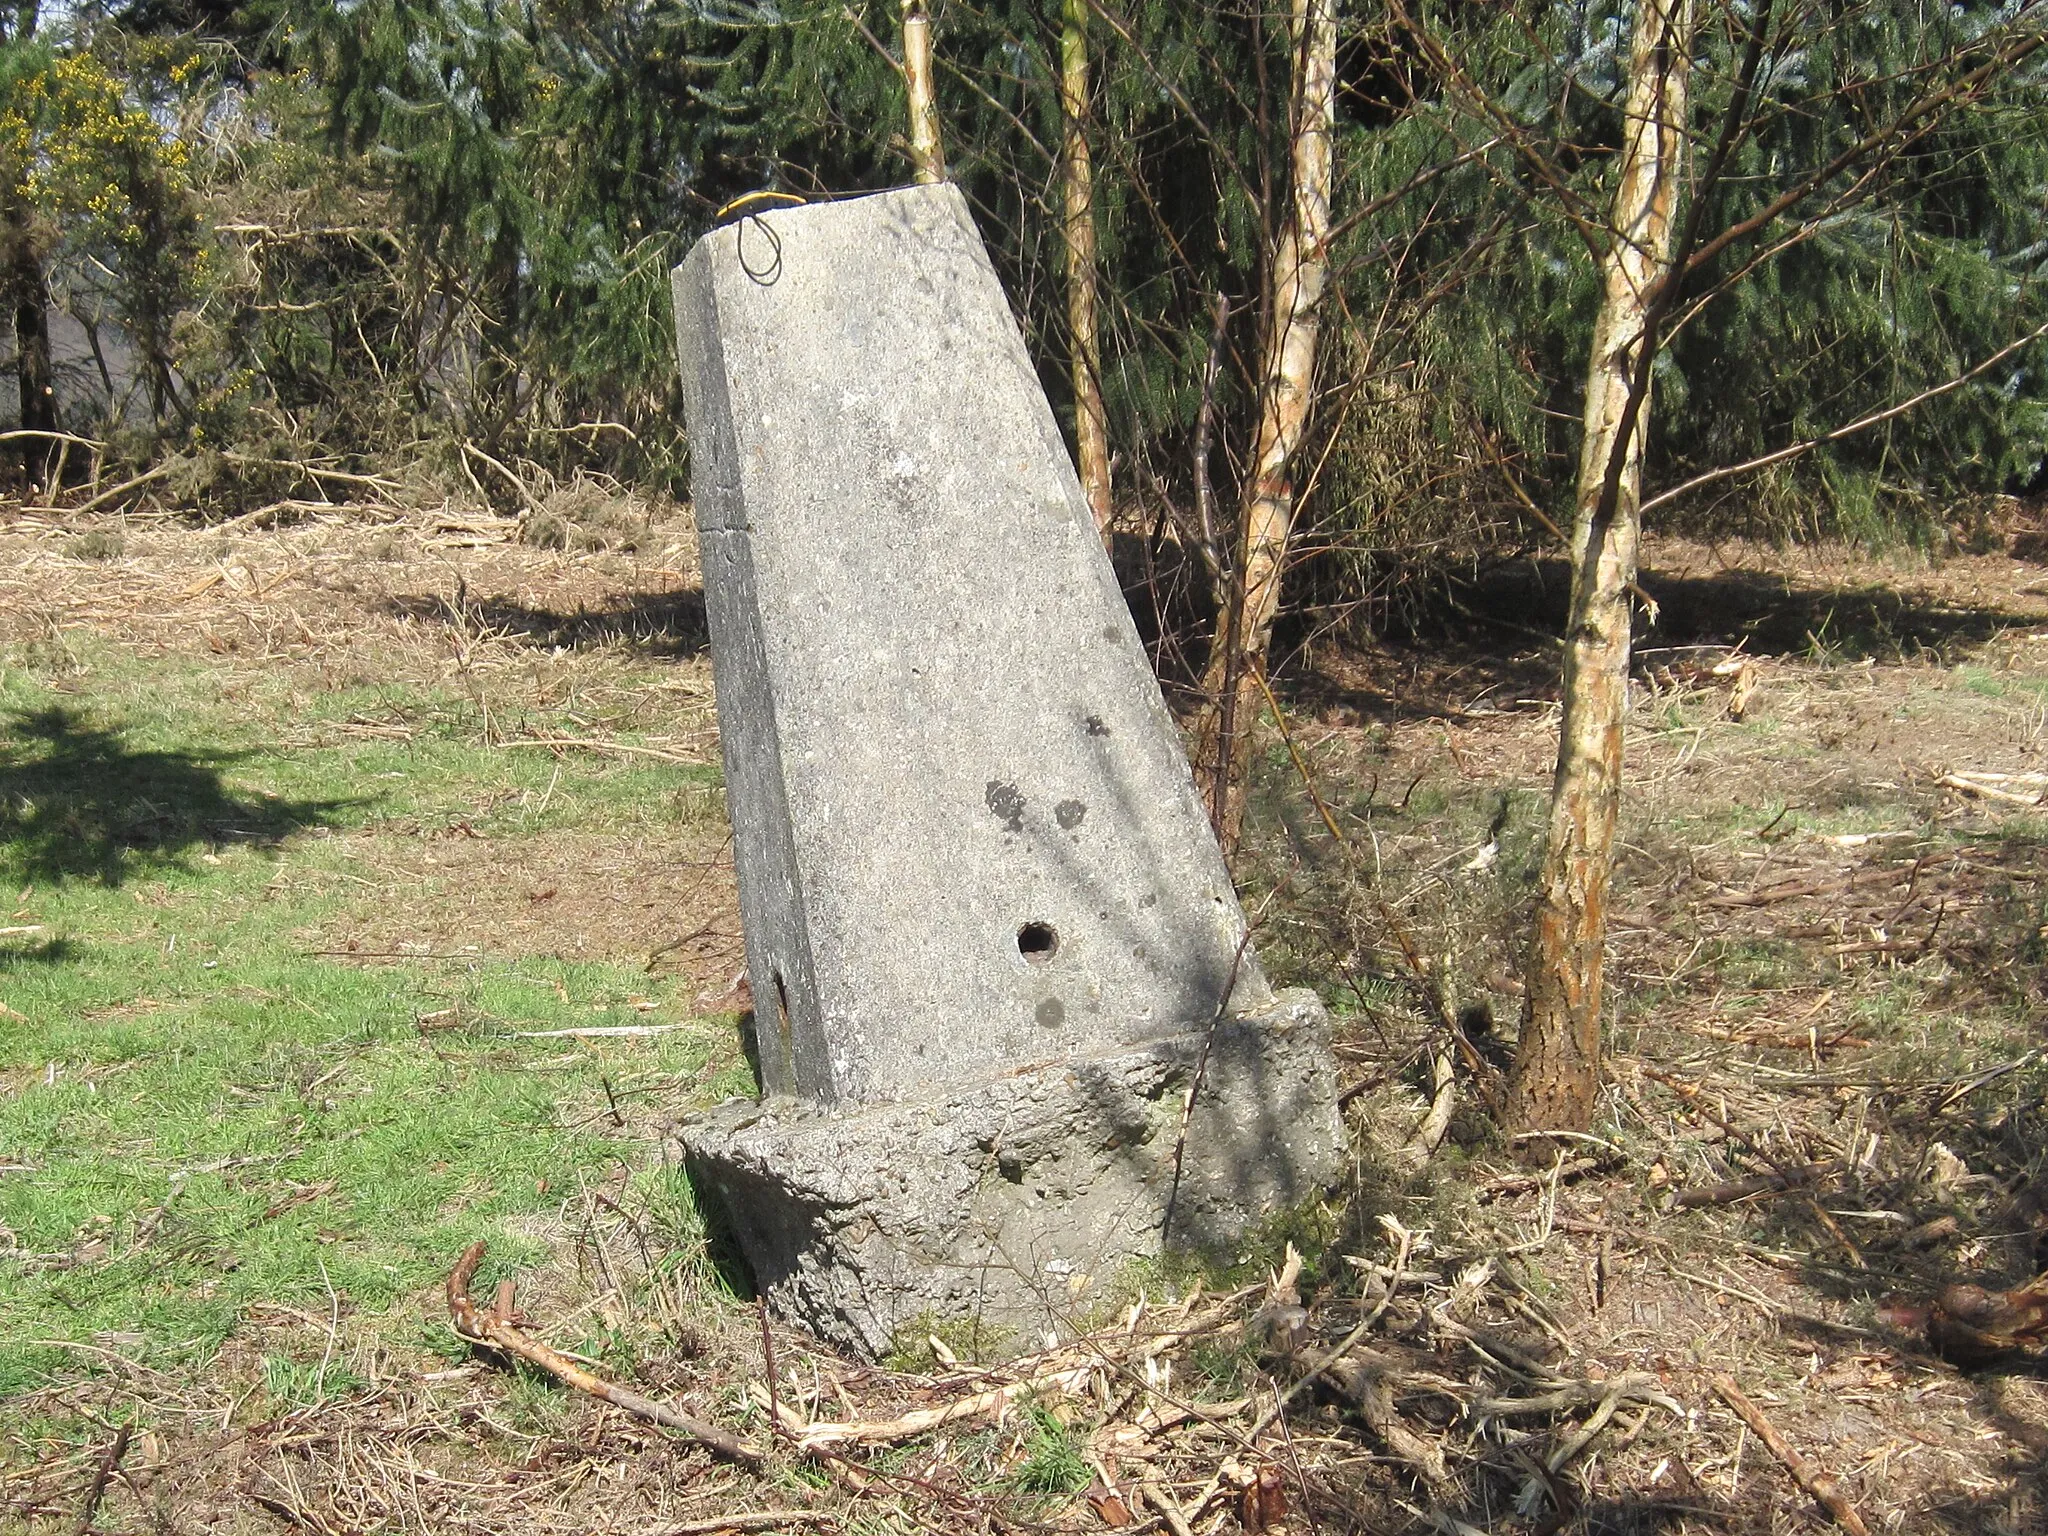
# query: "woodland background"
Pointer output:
{"type": "Point", "coordinates": [370, 884]}
{"type": "Point", "coordinates": [273, 238]}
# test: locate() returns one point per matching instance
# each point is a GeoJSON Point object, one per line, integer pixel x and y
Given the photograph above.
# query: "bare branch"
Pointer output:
{"type": "Point", "coordinates": [1861, 424]}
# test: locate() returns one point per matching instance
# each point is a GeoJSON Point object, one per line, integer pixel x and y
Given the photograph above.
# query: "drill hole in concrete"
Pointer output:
{"type": "Point", "coordinates": [785, 1037]}
{"type": "Point", "coordinates": [1038, 942]}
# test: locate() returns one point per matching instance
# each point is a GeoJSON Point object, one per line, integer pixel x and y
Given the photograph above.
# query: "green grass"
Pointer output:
{"type": "Point", "coordinates": [197, 1112]}
{"type": "Point", "coordinates": [1052, 1463]}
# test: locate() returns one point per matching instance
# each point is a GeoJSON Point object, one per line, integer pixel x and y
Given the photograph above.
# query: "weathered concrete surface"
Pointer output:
{"type": "Point", "coordinates": [940, 726]}
{"type": "Point", "coordinates": [1011, 1200]}
{"type": "Point", "coordinates": [973, 868]}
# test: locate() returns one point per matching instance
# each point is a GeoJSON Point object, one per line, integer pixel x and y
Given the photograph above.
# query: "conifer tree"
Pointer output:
{"type": "Point", "coordinates": [441, 91]}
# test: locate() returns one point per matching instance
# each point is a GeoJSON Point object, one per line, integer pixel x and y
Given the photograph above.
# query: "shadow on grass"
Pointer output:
{"type": "Point", "coordinates": [76, 801]}
{"type": "Point", "coordinates": [1768, 613]}
{"type": "Point", "coordinates": [15, 955]}
{"type": "Point", "coordinates": [1494, 637]}
{"type": "Point", "coordinates": [665, 624]}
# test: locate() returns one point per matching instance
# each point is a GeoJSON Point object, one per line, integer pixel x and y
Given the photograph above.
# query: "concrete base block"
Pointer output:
{"type": "Point", "coordinates": [1010, 1199]}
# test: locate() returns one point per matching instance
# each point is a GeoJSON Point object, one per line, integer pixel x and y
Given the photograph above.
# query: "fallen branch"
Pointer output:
{"type": "Point", "coordinates": [1986, 786]}
{"type": "Point", "coordinates": [1879, 947]}
{"type": "Point", "coordinates": [819, 1436]}
{"type": "Point", "coordinates": [1155, 1420]}
{"type": "Point", "coordinates": [1793, 889]}
{"type": "Point", "coordinates": [1522, 1183]}
{"type": "Point", "coordinates": [1761, 1184]}
{"type": "Point", "coordinates": [590, 745]}
{"type": "Point", "coordinates": [1369, 1388]}
{"type": "Point", "coordinates": [270, 512]}
{"type": "Point", "coordinates": [37, 434]}
{"type": "Point", "coordinates": [519, 485]}
{"type": "Point", "coordinates": [314, 472]}
{"type": "Point", "coordinates": [493, 1325]}
{"type": "Point", "coordinates": [145, 478]}
{"type": "Point", "coordinates": [1404, 1243]}
{"type": "Point", "coordinates": [1368, 1385]}
{"type": "Point", "coordinates": [290, 1513]}
{"type": "Point", "coordinates": [1166, 1507]}
{"type": "Point", "coordinates": [1569, 1451]}
{"type": "Point", "coordinates": [759, 1520]}
{"type": "Point", "coordinates": [1819, 1484]}
{"type": "Point", "coordinates": [1431, 1128]}
{"type": "Point", "coordinates": [1639, 1386]}
{"type": "Point", "coordinates": [594, 1032]}
{"type": "Point", "coordinates": [1779, 1039]}
{"type": "Point", "coordinates": [105, 1475]}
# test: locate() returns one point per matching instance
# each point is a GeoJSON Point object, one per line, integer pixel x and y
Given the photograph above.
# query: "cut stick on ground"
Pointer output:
{"type": "Point", "coordinates": [1761, 1184]}
{"type": "Point", "coordinates": [594, 1032]}
{"type": "Point", "coordinates": [1792, 889]}
{"type": "Point", "coordinates": [1638, 1386]}
{"type": "Point", "coordinates": [145, 478]}
{"type": "Point", "coordinates": [1370, 1390]}
{"type": "Point", "coordinates": [493, 1325]}
{"type": "Point", "coordinates": [1986, 786]}
{"type": "Point", "coordinates": [588, 744]}
{"type": "Point", "coordinates": [1819, 1484]}
{"type": "Point", "coordinates": [1166, 1507]}
{"type": "Point", "coordinates": [756, 1520]}
{"type": "Point", "coordinates": [812, 1437]}
{"type": "Point", "coordinates": [105, 1475]}
{"type": "Point", "coordinates": [2038, 779]}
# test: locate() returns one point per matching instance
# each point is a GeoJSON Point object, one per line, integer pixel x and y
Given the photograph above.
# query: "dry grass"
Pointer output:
{"type": "Point", "coordinates": [1823, 956]}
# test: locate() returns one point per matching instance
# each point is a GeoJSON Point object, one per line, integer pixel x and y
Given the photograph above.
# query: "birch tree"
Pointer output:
{"type": "Point", "coordinates": [1091, 425]}
{"type": "Point", "coordinates": [927, 155]}
{"type": "Point", "coordinates": [1555, 1080]}
{"type": "Point", "coordinates": [1300, 272]}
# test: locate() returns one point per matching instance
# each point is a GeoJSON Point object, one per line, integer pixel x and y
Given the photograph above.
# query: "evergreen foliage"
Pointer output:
{"type": "Point", "coordinates": [358, 224]}
{"type": "Point", "coordinates": [1897, 274]}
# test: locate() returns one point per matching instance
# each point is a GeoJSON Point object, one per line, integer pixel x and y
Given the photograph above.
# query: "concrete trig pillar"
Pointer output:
{"type": "Point", "coordinates": [991, 938]}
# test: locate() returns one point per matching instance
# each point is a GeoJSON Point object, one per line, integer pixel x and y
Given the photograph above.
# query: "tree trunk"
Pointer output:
{"type": "Point", "coordinates": [495, 406]}
{"type": "Point", "coordinates": [26, 293]}
{"type": "Point", "coordinates": [1091, 422]}
{"type": "Point", "coordinates": [926, 153]}
{"type": "Point", "coordinates": [1555, 1082]}
{"type": "Point", "coordinates": [1300, 272]}
{"type": "Point", "coordinates": [28, 304]}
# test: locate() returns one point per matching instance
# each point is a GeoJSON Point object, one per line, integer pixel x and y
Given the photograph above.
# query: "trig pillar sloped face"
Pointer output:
{"type": "Point", "coordinates": [967, 836]}
{"type": "Point", "coordinates": [1010, 1030]}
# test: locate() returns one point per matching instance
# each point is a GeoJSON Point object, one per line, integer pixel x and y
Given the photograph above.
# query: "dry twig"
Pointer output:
{"type": "Point", "coordinates": [755, 1520]}
{"type": "Point", "coordinates": [105, 1475]}
{"type": "Point", "coordinates": [1761, 1184]}
{"type": "Point", "coordinates": [812, 1437]}
{"type": "Point", "coordinates": [1819, 1484]}
{"type": "Point", "coordinates": [493, 1325]}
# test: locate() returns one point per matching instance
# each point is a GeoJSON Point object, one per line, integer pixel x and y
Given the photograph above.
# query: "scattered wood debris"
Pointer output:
{"type": "Point", "coordinates": [1825, 1490]}
{"type": "Point", "coordinates": [494, 1325]}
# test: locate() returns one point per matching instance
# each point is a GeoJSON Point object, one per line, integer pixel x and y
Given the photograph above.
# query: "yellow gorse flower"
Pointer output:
{"type": "Point", "coordinates": [80, 146]}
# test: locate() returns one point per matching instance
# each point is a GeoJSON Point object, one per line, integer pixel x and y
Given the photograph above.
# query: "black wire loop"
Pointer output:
{"type": "Point", "coordinates": [766, 274]}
